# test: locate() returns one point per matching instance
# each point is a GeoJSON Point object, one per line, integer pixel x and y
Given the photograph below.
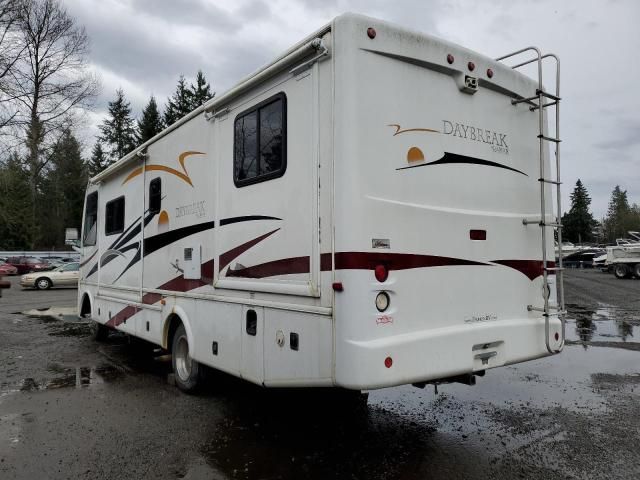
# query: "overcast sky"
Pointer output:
{"type": "Point", "coordinates": [143, 46]}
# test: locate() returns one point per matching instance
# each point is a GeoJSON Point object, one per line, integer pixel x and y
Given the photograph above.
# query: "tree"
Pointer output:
{"type": "Point", "coordinates": [187, 98]}
{"type": "Point", "coordinates": [49, 84]}
{"type": "Point", "coordinates": [179, 104]}
{"type": "Point", "coordinates": [98, 161]}
{"type": "Point", "coordinates": [15, 207]}
{"type": "Point", "coordinates": [118, 131]}
{"type": "Point", "coordinates": [150, 124]}
{"type": "Point", "coordinates": [11, 50]}
{"type": "Point", "coordinates": [617, 221]}
{"type": "Point", "coordinates": [579, 223]}
{"type": "Point", "coordinates": [62, 191]}
{"type": "Point", "coordinates": [200, 92]}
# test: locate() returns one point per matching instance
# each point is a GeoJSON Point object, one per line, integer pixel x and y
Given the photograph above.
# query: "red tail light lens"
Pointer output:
{"type": "Point", "coordinates": [388, 362]}
{"type": "Point", "coordinates": [381, 273]}
{"type": "Point", "coordinates": [450, 59]}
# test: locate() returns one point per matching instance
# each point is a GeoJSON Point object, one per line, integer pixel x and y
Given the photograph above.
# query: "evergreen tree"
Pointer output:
{"type": "Point", "coordinates": [578, 223]}
{"type": "Point", "coordinates": [151, 123]}
{"type": "Point", "coordinates": [98, 161]}
{"type": "Point", "coordinates": [179, 104]}
{"type": "Point", "coordinates": [16, 227]}
{"type": "Point", "coordinates": [118, 130]}
{"type": "Point", "coordinates": [618, 220]}
{"type": "Point", "coordinates": [62, 191]}
{"type": "Point", "coordinates": [201, 91]}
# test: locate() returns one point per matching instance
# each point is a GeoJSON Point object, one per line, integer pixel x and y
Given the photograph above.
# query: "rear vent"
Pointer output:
{"type": "Point", "coordinates": [188, 254]}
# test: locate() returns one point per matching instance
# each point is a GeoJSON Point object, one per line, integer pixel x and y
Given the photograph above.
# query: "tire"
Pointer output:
{"type": "Point", "coordinates": [636, 270]}
{"type": "Point", "coordinates": [620, 270]}
{"type": "Point", "coordinates": [187, 372]}
{"type": "Point", "coordinates": [99, 332]}
{"type": "Point", "coordinates": [43, 283]}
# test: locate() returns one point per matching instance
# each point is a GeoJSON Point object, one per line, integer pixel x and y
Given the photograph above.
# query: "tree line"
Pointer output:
{"type": "Point", "coordinates": [579, 225]}
{"type": "Point", "coordinates": [46, 90]}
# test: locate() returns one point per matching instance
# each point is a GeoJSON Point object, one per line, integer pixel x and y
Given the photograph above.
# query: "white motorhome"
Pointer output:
{"type": "Point", "coordinates": [372, 208]}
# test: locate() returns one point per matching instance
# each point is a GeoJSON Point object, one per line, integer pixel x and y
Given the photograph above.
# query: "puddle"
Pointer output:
{"type": "Point", "coordinates": [77, 377]}
{"type": "Point", "coordinates": [601, 324]}
{"type": "Point", "coordinates": [65, 325]}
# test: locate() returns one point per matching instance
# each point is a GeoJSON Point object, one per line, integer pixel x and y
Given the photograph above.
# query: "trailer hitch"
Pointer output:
{"type": "Point", "coordinates": [465, 378]}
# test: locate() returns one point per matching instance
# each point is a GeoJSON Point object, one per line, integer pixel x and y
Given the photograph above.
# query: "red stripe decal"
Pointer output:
{"type": "Point", "coordinates": [178, 284]}
{"type": "Point", "coordinates": [285, 266]}
{"type": "Point", "coordinates": [531, 268]}
{"type": "Point", "coordinates": [394, 261]}
{"type": "Point", "coordinates": [227, 257]}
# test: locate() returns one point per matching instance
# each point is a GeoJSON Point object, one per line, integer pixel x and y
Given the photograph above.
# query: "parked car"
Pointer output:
{"type": "Point", "coordinates": [26, 264]}
{"type": "Point", "coordinates": [65, 275]}
{"type": "Point", "coordinates": [6, 269]}
{"type": "Point", "coordinates": [582, 259]}
{"type": "Point", "coordinates": [601, 263]}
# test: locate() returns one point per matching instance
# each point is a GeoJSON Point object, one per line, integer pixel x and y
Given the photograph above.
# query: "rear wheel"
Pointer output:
{"type": "Point", "coordinates": [636, 270]}
{"type": "Point", "coordinates": [620, 270]}
{"type": "Point", "coordinates": [187, 371]}
{"type": "Point", "coordinates": [43, 283]}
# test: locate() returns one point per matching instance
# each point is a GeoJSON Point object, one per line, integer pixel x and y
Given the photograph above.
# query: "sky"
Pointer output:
{"type": "Point", "coordinates": [142, 46]}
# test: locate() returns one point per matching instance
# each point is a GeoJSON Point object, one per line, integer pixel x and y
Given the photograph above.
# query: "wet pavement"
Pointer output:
{"type": "Point", "coordinates": [72, 408]}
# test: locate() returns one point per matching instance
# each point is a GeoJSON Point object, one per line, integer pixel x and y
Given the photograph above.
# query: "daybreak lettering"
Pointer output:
{"type": "Point", "coordinates": [476, 134]}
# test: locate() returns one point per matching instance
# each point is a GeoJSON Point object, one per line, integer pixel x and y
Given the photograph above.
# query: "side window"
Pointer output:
{"type": "Point", "coordinates": [155, 195]}
{"type": "Point", "coordinates": [260, 140]}
{"type": "Point", "coordinates": [72, 267]}
{"type": "Point", "coordinates": [91, 220]}
{"type": "Point", "coordinates": [114, 217]}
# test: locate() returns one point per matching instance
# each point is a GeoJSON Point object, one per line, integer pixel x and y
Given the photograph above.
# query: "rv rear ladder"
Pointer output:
{"type": "Point", "coordinates": [538, 103]}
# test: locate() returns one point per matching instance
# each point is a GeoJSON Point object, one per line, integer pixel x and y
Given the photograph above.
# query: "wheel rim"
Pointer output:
{"type": "Point", "coordinates": [183, 360]}
{"type": "Point", "coordinates": [43, 283]}
{"type": "Point", "coordinates": [621, 270]}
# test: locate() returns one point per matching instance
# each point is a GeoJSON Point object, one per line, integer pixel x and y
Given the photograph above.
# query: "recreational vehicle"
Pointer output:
{"type": "Point", "coordinates": [374, 207]}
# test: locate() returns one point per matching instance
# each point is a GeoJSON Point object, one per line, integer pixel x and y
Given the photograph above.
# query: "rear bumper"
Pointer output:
{"type": "Point", "coordinates": [439, 353]}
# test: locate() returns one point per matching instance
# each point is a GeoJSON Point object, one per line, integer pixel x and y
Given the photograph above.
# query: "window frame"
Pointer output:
{"type": "Point", "coordinates": [84, 227]}
{"type": "Point", "coordinates": [283, 166]}
{"type": "Point", "coordinates": [106, 216]}
{"type": "Point", "coordinates": [151, 183]}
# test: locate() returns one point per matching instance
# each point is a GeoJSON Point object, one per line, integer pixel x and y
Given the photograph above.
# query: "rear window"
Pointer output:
{"type": "Point", "coordinates": [91, 220]}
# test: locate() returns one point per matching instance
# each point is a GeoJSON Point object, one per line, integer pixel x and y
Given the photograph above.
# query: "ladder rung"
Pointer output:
{"type": "Point", "coordinates": [550, 104]}
{"type": "Point", "coordinates": [546, 180]}
{"type": "Point", "coordinates": [527, 100]}
{"type": "Point", "coordinates": [542, 223]}
{"type": "Point", "coordinates": [531, 308]}
{"type": "Point", "coordinates": [550, 139]}
{"type": "Point", "coordinates": [548, 95]}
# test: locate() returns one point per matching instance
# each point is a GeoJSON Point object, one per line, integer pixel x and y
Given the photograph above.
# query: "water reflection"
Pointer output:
{"type": "Point", "coordinates": [599, 324]}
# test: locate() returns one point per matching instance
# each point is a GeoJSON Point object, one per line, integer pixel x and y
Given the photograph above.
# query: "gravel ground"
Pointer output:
{"type": "Point", "coordinates": [72, 408]}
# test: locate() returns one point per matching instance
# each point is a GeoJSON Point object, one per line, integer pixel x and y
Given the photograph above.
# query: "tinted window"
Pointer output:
{"type": "Point", "coordinates": [114, 217]}
{"type": "Point", "coordinates": [260, 142]}
{"type": "Point", "coordinates": [91, 220]}
{"type": "Point", "coordinates": [72, 267]}
{"type": "Point", "coordinates": [155, 195]}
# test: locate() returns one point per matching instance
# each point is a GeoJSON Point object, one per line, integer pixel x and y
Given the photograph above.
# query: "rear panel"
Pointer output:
{"type": "Point", "coordinates": [433, 183]}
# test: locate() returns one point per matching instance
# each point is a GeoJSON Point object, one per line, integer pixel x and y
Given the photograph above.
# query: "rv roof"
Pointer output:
{"type": "Point", "coordinates": [272, 68]}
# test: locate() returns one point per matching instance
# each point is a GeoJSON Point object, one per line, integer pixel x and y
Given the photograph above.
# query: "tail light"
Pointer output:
{"type": "Point", "coordinates": [381, 273]}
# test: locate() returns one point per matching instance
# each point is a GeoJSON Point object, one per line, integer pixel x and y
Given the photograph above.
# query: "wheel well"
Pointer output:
{"type": "Point", "coordinates": [86, 306]}
{"type": "Point", "coordinates": [173, 322]}
{"type": "Point", "coordinates": [45, 277]}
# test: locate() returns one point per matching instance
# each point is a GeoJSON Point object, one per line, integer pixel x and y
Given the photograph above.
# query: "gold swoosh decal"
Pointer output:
{"type": "Point", "coordinates": [399, 130]}
{"type": "Point", "coordinates": [184, 175]}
